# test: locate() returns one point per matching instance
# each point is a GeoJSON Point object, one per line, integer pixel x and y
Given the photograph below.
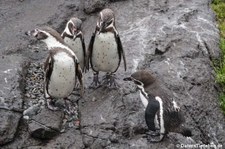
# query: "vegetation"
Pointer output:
{"type": "Point", "coordinates": [219, 7]}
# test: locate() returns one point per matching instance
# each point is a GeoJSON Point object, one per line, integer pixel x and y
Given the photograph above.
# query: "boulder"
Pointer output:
{"type": "Point", "coordinates": [46, 124]}
{"type": "Point", "coordinates": [9, 122]}
{"type": "Point", "coordinates": [91, 6]}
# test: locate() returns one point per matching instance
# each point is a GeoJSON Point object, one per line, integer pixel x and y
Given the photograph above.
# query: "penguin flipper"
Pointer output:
{"type": "Point", "coordinates": [90, 49]}
{"type": "Point", "coordinates": [79, 75]}
{"type": "Point", "coordinates": [85, 55]}
{"type": "Point", "coordinates": [48, 67]}
{"type": "Point", "coordinates": [152, 108]}
{"type": "Point", "coordinates": [150, 113]}
{"type": "Point", "coordinates": [121, 51]}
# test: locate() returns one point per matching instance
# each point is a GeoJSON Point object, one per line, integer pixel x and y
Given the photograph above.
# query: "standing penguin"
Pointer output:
{"type": "Point", "coordinates": [105, 48]}
{"type": "Point", "coordinates": [61, 66]}
{"type": "Point", "coordinates": [74, 38]}
{"type": "Point", "coordinates": [162, 114]}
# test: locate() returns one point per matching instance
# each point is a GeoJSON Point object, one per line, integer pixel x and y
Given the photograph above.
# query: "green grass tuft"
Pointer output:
{"type": "Point", "coordinates": [222, 101]}
{"type": "Point", "coordinates": [219, 7]}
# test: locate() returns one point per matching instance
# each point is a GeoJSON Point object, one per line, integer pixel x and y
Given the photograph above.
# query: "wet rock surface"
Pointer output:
{"type": "Point", "coordinates": [176, 40]}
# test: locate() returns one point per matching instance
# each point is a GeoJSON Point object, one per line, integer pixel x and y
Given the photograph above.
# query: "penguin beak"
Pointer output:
{"type": "Point", "coordinates": [74, 30]}
{"type": "Point", "coordinates": [137, 82]}
{"type": "Point", "coordinates": [128, 79]}
{"type": "Point", "coordinates": [101, 27]}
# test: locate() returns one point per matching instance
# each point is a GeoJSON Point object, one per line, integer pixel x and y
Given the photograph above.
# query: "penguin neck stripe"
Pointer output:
{"type": "Point", "coordinates": [53, 43]}
{"type": "Point", "coordinates": [142, 90]}
{"type": "Point", "coordinates": [162, 127]}
{"type": "Point", "coordinates": [64, 34]}
{"type": "Point", "coordinates": [67, 31]}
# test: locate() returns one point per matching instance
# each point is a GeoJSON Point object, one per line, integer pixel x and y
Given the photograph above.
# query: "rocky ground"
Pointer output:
{"type": "Point", "coordinates": [176, 40]}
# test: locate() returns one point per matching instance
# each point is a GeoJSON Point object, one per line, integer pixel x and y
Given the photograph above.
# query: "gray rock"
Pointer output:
{"type": "Point", "coordinates": [9, 122]}
{"type": "Point", "coordinates": [46, 124]}
{"type": "Point", "coordinates": [37, 130]}
{"type": "Point", "coordinates": [71, 139]}
{"type": "Point", "coordinates": [176, 40]}
{"type": "Point", "coordinates": [91, 6]}
{"type": "Point", "coordinates": [33, 110]}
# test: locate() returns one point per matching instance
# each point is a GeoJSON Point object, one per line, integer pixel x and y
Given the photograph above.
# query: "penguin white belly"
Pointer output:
{"type": "Point", "coordinates": [62, 80]}
{"type": "Point", "coordinates": [77, 48]}
{"type": "Point", "coordinates": [105, 55]}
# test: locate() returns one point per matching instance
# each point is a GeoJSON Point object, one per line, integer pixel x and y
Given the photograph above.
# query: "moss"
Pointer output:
{"type": "Point", "coordinates": [219, 7]}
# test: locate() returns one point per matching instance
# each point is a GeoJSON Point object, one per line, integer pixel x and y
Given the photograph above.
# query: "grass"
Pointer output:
{"type": "Point", "coordinates": [219, 7]}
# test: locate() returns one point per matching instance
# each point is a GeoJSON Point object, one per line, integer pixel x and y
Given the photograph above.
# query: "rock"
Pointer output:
{"type": "Point", "coordinates": [46, 124]}
{"type": "Point", "coordinates": [37, 130]}
{"type": "Point", "coordinates": [33, 110]}
{"type": "Point", "coordinates": [87, 140]}
{"type": "Point", "coordinates": [71, 139]}
{"type": "Point", "coordinates": [91, 6]}
{"type": "Point", "coordinates": [176, 40]}
{"type": "Point", "coordinates": [9, 122]}
{"type": "Point", "coordinates": [110, 117]}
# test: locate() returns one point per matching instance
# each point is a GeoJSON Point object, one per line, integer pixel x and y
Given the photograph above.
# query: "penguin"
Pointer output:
{"type": "Point", "coordinates": [162, 113]}
{"type": "Point", "coordinates": [61, 66]}
{"type": "Point", "coordinates": [105, 49]}
{"type": "Point", "coordinates": [74, 38]}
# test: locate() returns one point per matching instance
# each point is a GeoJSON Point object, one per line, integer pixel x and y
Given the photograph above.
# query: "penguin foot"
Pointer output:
{"type": "Point", "coordinates": [110, 81]}
{"type": "Point", "coordinates": [95, 84]}
{"type": "Point", "coordinates": [51, 106]}
{"type": "Point", "coordinates": [153, 133]}
{"type": "Point", "coordinates": [77, 85]}
{"type": "Point", "coordinates": [155, 136]}
{"type": "Point", "coordinates": [154, 139]}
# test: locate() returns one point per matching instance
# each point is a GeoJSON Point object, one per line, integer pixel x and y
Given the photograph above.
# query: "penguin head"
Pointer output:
{"type": "Point", "coordinates": [141, 77]}
{"type": "Point", "coordinates": [73, 27]}
{"type": "Point", "coordinates": [106, 20]}
{"type": "Point", "coordinates": [45, 34]}
{"type": "Point", "coordinates": [139, 84]}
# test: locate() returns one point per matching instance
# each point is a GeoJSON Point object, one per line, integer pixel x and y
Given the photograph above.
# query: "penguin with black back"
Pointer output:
{"type": "Point", "coordinates": [61, 66]}
{"type": "Point", "coordinates": [74, 38]}
{"type": "Point", "coordinates": [162, 114]}
{"type": "Point", "coordinates": [105, 50]}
